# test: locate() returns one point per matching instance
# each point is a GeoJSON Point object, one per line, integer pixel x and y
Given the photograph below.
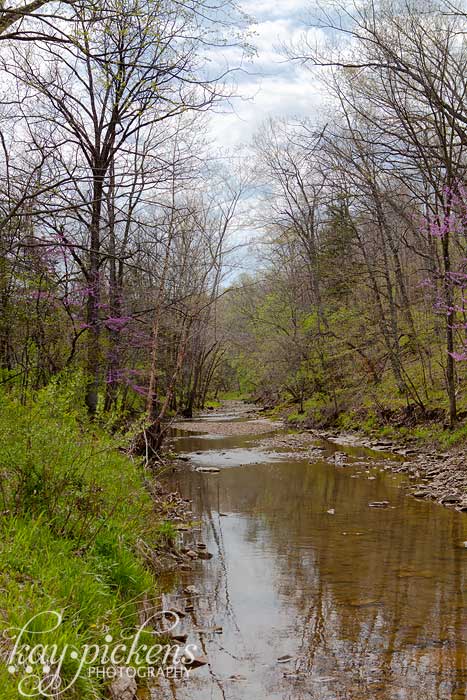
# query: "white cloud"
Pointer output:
{"type": "Point", "coordinates": [274, 8]}
{"type": "Point", "coordinates": [272, 97]}
{"type": "Point", "coordinates": [270, 85]}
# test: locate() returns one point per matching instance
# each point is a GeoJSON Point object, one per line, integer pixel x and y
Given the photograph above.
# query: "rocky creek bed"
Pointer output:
{"type": "Point", "coordinates": [311, 570]}
{"type": "Point", "coordinates": [440, 477]}
{"type": "Point", "coordinates": [247, 440]}
{"type": "Point", "coordinates": [436, 476]}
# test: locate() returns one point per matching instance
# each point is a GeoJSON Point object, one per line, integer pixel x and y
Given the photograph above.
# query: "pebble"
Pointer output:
{"type": "Point", "coordinates": [174, 611]}
{"type": "Point", "coordinates": [450, 498]}
{"type": "Point", "coordinates": [285, 659]}
{"type": "Point", "coordinates": [294, 676]}
{"type": "Point", "coordinates": [180, 638]}
{"type": "Point", "coordinates": [209, 630]}
{"type": "Point", "coordinates": [197, 662]}
{"type": "Point", "coordinates": [124, 687]}
{"type": "Point", "coordinates": [204, 555]}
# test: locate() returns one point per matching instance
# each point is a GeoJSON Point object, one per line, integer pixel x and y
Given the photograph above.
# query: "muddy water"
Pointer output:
{"type": "Point", "coordinates": [368, 603]}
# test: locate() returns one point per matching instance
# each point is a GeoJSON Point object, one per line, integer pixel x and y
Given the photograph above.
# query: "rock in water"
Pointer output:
{"type": "Point", "coordinates": [172, 612]}
{"type": "Point", "coordinates": [451, 498]}
{"type": "Point", "coordinates": [124, 687]}
{"type": "Point", "coordinates": [196, 662]}
{"type": "Point", "coordinates": [180, 638]}
{"type": "Point", "coordinates": [294, 676]}
{"type": "Point", "coordinates": [364, 603]}
{"type": "Point", "coordinates": [285, 659]}
{"type": "Point", "coordinates": [209, 630]}
{"type": "Point", "coordinates": [379, 504]}
{"type": "Point", "coordinates": [202, 554]}
{"type": "Point", "coordinates": [208, 470]}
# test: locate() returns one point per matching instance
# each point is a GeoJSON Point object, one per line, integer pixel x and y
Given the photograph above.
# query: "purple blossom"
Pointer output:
{"type": "Point", "coordinates": [459, 356]}
{"type": "Point", "coordinates": [117, 323]}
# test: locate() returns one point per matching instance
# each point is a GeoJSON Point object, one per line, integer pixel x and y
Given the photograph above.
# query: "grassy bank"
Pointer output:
{"type": "Point", "coordinates": [380, 410]}
{"type": "Point", "coordinates": [426, 432]}
{"type": "Point", "coordinates": [74, 511]}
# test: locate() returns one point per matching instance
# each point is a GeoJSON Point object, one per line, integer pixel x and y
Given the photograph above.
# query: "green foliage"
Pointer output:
{"type": "Point", "coordinates": [212, 404]}
{"type": "Point", "coordinates": [166, 534]}
{"type": "Point", "coordinates": [327, 360]}
{"type": "Point", "coordinates": [63, 398]}
{"type": "Point", "coordinates": [74, 509]}
{"type": "Point", "coordinates": [451, 438]}
{"type": "Point", "coordinates": [54, 465]}
{"type": "Point", "coordinates": [369, 423]}
{"type": "Point", "coordinates": [295, 417]}
{"type": "Point", "coordinates": [117, 566]}
{"type": "Point", "coordinates": [348, 420]}
{"type": "Point", "coordinates": [235, 396]}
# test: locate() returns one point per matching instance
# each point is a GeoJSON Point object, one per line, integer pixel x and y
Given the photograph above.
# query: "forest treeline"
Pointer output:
{"type": "Point", "coordinates": [119, 221]}
{"type": "Point", "coordinates": [114, 213]}
{"type": "Point", "coordinates": [359, 310]}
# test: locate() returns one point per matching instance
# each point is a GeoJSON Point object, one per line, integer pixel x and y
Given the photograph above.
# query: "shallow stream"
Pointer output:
{"type": "Point", "coordinates": [369, 603]}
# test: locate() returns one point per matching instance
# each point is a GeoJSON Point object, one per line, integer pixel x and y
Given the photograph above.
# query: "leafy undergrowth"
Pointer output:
{"type": "Point", "coordinates": [381, 410]}
{"type": "Point", "coordinates": [74, 511]}
{"type": "Point", "coordinates": [212, 404]}
{"type": "Point", "coordinates": [429, 432]}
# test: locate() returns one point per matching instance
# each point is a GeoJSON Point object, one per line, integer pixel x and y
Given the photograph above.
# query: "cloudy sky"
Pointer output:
{"type": "Point", "coordinates": [269, 85]}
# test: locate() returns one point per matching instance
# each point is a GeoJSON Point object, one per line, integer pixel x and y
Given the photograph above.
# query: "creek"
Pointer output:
{"type": "Point", "coordinates": [318, 594]}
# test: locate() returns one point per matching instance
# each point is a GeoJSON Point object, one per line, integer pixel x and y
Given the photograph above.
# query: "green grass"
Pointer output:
{"type": "Point", "coordinates": [73, 511]}
{"type": "Point", "coordinates": [212, 404]}
{"type": "Point", "coordinates": [452, 438]}
{"type": "Point", "coordinates": [296, 417]}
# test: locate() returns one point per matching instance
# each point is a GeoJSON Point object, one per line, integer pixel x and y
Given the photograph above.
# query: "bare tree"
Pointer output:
{"type": "Point", "coordinates": [101, 103]}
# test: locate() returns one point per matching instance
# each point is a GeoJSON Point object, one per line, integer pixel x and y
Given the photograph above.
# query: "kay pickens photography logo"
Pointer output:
{"type": "Point", "coordinates": [40, 666]}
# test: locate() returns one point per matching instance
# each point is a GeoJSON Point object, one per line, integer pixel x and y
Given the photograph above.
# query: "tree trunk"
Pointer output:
{"type": "Point", "coordinates": [94, 294]}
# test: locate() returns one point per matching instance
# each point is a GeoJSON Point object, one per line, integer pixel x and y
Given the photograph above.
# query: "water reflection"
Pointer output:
{"type": "Point", "coordinates": [369, 603]}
